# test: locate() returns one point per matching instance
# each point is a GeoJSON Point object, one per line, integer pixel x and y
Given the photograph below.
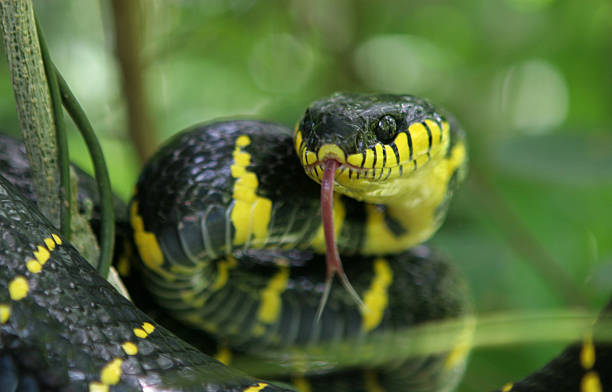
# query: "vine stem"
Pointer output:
{"type": "Point", "coordinates": [107, 229]}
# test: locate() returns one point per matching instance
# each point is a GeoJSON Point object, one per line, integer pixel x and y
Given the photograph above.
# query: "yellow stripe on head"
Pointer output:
{"type": "Point", "coordinates": [391, 159]}
{"type": "Point", "coordinates": [298, 140]}
{"type": "Point", "coordinates": [403, 148]}
{"type": "Point", "coordinates": [420, 139]}
{"type": "Point", "coordinates": [378, 151]}
{"type": "Point", "coordinates": [436, 132]}
{"type": "Point", "coordinates": [355, 159]}
{"type": "Point", "coordinates": [369, 158]}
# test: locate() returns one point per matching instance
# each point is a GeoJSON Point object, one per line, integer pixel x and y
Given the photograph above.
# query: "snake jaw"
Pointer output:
{"type": "Point", "coordinates": [332, 257]}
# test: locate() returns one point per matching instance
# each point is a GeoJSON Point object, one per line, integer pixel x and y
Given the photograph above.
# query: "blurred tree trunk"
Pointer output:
{"type": "Point", "coordinates": [128, 44]}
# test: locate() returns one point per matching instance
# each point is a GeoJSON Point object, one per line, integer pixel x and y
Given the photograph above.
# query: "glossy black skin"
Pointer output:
{"type": "Point", "coordinates": [188, 185]}
{"type": "Point", "coordinates": [73, 322]}
{"type": "Point", "coordinates": [565, 372]}
{"type": "Point", "coordinates": [351, 120]}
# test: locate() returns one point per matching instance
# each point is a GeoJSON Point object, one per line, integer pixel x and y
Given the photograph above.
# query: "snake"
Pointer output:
{"type": "Point", "coordinates": [235, 239]}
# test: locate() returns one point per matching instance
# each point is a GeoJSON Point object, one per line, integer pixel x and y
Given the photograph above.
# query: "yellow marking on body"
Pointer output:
{"type": "Point", "coordinates": [369, 158]}
{"type": "Point", "coordinates": [590, 382]}
{"type": "Point", "coordinates": [18, 288]}
{"type": "Point", "coordinates": [401, 142]}
{"type": "Point", "coordinates": [301, 383]}
{"type": "Point", "coordinates": [111, 373]}
{"type": "Point", "coordinates": [375, 299]}
{"type": "Point", "coordinates": [140, 333]}
{"type": "Point", "coordinates": [256, 388]}
{"type": "Point", "coordinates": [420, 139]}
{"type": "Point", "coordinates": [5, 313]}
{"type": "Point", "coordinates": [57, 239]}
{"type": "Point", "coordinates": [147, 244]}
{"type": "Point", "coordinates": [130, 348]}
{"type": "Point", "coordinates": [378, 151]}
{"type": "Point", "coordinates": [587, 353]}
{"type": "Point", "coordinates": [223, 268]}
{"type": "Point", "coordinates": [391, 161]}
{"type": "Point", "coordinates": [33, 266]}
{"type": "Point", "coordinates": [250, 213]}
{"type": "Point", "coordinates": [123, 265]}
{"type": "Point", "coordinates": [258, 330]}
{"type": "Point", "coordinates": [423, 193]}
{"type": "Point", "coordinates": [271, 303]}
{"type": "Point", "coordinates": [41, 254]}
{"type": "Point", "coordinates": [50, 243]}
{"type": "Point", "coordinates": [145, 330]}
{"type": "Point", "coordinates": [148, 327]}
{"type": "Point", "coordinates": [507, 387]}
{"type": "Point", "coordinates": [435, 130]}
{"type": "Point", "coordinates": [318, 240]}
{"type": "Point", "coordinates": [379, 235]}
{"type": "Point", "coordinates": [224, 355]}
{"type": "Point", "coordinates": [96, 386]}
{"type": "Point", "coordinates": [331, 151]}
{"type": "Point", "coordinates": [371, 383]}
{"type": "Point", "coordinates": [457, 355]}
{"type": "Point", "coordinates": [355, 159]}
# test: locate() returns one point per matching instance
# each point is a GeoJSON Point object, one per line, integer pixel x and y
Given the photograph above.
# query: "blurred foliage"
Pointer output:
{"type": "Point", "coordinates": [529, 80]}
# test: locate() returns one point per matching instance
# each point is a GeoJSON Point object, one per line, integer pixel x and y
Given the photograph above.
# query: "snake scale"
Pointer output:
{"type": "Point", "coordinates": [232, 239]}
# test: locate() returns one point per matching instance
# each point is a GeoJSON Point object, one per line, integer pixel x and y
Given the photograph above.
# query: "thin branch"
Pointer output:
{"type": "Point", "coordinates": [107, 229]}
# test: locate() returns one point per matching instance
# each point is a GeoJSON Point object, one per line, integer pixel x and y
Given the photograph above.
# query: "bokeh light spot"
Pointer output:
{"type": "Point", "coordinates": [534, 96]}
{"type": "Point", "coordinates": [402, 64]}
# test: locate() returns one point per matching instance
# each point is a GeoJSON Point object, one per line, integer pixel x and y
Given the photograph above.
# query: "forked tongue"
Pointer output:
{"type": "Point", "coordinates": [334, 264]}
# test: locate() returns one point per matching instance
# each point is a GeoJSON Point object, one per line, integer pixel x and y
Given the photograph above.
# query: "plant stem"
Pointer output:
{"type": "Point", "coordinates": [107, 229]}
{"type": "Point", "coordinates": [63, 156]}
{"type": "Point", "coordinates": [32, 100]}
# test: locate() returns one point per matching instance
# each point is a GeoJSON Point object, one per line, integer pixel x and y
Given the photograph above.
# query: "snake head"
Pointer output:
{"type": "Point", "coordinates": [376, 139]}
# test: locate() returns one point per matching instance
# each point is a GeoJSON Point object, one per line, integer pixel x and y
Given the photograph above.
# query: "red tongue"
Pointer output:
{"type": "Point", "coordinates": [327, 214]}
{"type": "Point", "coordinates": [334, 264]}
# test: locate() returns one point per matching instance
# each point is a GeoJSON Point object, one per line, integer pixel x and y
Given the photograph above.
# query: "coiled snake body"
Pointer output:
{"type": "Point", "coordinates": [231, 239]}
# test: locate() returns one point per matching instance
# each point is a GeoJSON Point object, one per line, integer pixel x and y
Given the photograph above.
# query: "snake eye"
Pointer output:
{"type": "Point", "coordinates": [385, 129]}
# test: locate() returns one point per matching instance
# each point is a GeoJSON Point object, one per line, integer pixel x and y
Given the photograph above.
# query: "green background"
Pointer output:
{"type": "Point", "coordinates": [530, 81]}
